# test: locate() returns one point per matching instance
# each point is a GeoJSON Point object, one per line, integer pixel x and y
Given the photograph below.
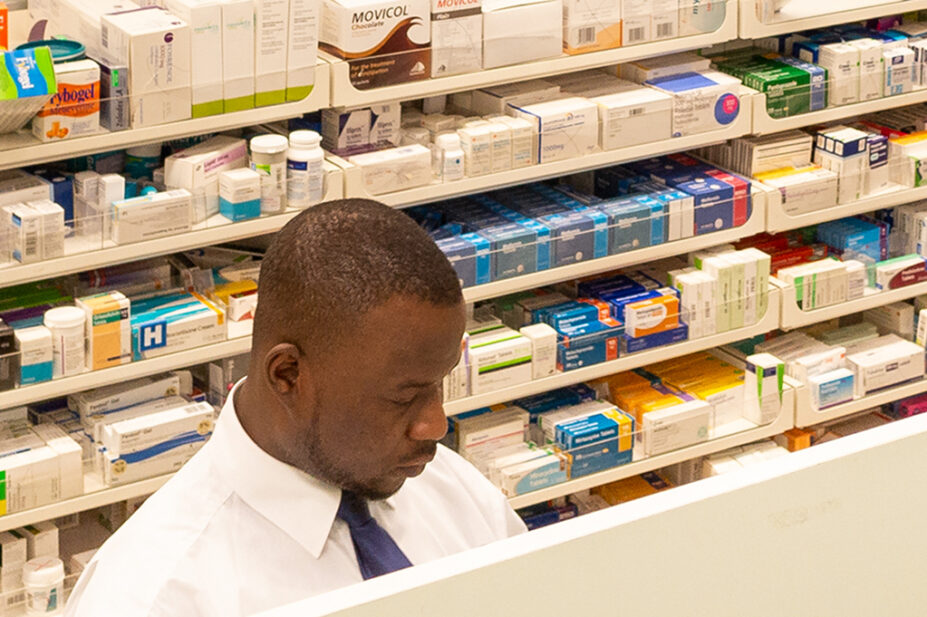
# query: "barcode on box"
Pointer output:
{"type": "Point", "coordinates": [664, 30]}
{"type": "Point", "coordinates": [635, 34]}
{"type": "Point", "coordinates": [636, 111]}
{"type": "Point", "coordinates": [584, 36]}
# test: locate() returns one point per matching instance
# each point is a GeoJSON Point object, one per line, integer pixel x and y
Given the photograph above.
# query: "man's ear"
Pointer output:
{"type": "Point", "coordinates": [281, 369]}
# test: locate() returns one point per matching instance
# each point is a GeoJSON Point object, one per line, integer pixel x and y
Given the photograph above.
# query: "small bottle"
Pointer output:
{"type": "Point", "coordinates": [67, 328]}
{"type": "Point", "coordinates": [141, 161]}
{"type": "Point", "coordinates": [268, 158]}
{"type": "Point", "coordinates": [449, 157]}
{"type": "Point", "coordinates": [43, 582]}
{"type": "Point", "coordinates": [304, 169]}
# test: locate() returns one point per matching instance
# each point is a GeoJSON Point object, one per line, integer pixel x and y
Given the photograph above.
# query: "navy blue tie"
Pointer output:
{"type": "Point", "coordinates": [376, 551]}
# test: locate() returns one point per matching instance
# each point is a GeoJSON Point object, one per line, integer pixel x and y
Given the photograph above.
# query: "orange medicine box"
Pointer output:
{"type": "Point", "coordinates": [652, 316]}
{"type": "Point", "coordinates": [75, 109]}
{"type": "Point", "coordinates": [108, 329]}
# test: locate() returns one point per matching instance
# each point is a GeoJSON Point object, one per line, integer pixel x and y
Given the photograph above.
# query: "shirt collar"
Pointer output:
{"type": "Point", "coordinates": [302, 506]}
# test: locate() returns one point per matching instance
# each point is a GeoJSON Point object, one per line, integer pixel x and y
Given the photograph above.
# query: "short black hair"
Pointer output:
{"type": "Point", "coordinates": [336, 261]}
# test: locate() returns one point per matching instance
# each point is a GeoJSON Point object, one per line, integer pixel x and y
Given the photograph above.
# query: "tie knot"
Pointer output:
{"type": "Point", "coordinates": [353, 509]}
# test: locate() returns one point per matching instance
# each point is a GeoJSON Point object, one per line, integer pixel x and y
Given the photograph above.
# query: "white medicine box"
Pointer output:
{"type": "Point", "coordinates": [516, 31]}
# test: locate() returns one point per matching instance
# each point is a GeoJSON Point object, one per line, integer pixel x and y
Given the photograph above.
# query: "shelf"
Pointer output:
{"type": "Point", "coordinates": [807, 415]}
{"type": "Point", "coordinates": [798, 15]}
{"type": "Point", "coordinates": [344, 94]}
{"type": "Point", "coordinates": [769, 322]}
{"type": "Point", "coordinates": [793, 317]}
{"type": "Point", "coordinates": [763, 123]}
{"type": "Point", "coordinates": [101, 496]}
{"type": "Point", "coordinates": [736, 434]}
{"type": "Point", "coordinates": [21, 149]}
{"type": "Point", "coordinates": [496, 289]}
{"type": "Point", "coordinates": [213, 231]}
{"type": "Point", "coordinates": [103, 377]}
{"type": "Point", "coordinates": [354, 181]}
{"type": "Point", "coordinates": [778, 220]}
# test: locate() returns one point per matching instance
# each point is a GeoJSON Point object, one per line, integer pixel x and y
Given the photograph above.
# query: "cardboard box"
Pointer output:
{"type": "Point", "coordinates": [516, 31]}
{"type": "Point", "coordinates": [238, 55]}
{"type": "Point", "coordinates": [456, 37]}
{"type": "Point", "coordinates": [206, 77]}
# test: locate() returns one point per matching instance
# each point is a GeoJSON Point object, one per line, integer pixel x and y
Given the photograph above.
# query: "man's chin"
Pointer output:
{"type": "Point", "coordinates": [382, 489]}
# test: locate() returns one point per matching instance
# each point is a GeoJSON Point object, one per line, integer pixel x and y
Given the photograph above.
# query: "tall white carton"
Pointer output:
{"type": "Point", "coordinates": [302, 49]}
{"type": "Point", "coordinates": [205, 20]}
{"type": "Point", "coordinates": [156, 45]}
{"type": "Point", "coordinates": [271, 21]}
{"type": "Point", "coordinates": [237, 55]}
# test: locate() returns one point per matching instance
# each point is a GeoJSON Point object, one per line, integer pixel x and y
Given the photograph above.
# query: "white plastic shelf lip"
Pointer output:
{"type": "Point", "coordinates": [81, 503]}
{"type": "Point", "coordinates": [798, 16]}
{"type": "Point", "coordinates": [781, 424]}
{"type": "Point", "coordinates": [20, 149]}
{"type": "Point", "coordinates": [794, 317]}
{"type": "Point", "coordinates": [763, 123]}
{"type": "Point", "coordinates": [807, 415]}
{"type": "Point", "coordinates": [778, 220]}
{"type": "Point", "coordinates": [103, 377]}
{"type": "Point", "coordinates": [768, 323]}
{"type": "Point", "coordinates": [344, 93]}
{"type": "Point", "coordinates": [354, 181]}
{"type": "Point", "coordinates": [215, 230]}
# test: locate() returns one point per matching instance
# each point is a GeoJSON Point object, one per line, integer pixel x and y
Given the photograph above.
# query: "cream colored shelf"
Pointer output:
{"type": "Point", "coordinates": [763, 123]}
{"type": "Point", "coordinates": [21, 149]}
{"type": "Point", "coordinates": [798, 15]}
{"type": "Point", "coordinates": [735, 434]}
{"type": "Point", "coordinates": [777, 219]}
{"type": "Point", "coordinates": [793, 317]}
{"type": "Point", "coordinates": [768, 323]}
{"type": "Point", "coordinates": [807, 415]}
{"type": "Point", "coordinates": [345, 94]}
{"type": "Point", "coordinates": [354, 180]}
{"type": "Point", "coordinates": [97, 494]}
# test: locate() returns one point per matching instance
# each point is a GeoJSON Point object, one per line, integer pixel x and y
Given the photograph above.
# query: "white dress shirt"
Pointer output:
{"type": "Point", "coordinates": [237, 532]}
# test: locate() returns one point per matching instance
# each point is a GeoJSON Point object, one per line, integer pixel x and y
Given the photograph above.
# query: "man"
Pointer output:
{"type": "Point", "coordinates": [360, 318]}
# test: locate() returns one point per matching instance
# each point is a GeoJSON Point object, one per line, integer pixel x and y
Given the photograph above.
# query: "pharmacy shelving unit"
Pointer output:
{"type": "Point", "coordinates": [807, 415]}
{"type": "Point", "coordinates": [798, 15]}
{"type": "Point", "coordinates": [596, 266]}
{"type": "Point", "coordinates": [214, 230]}
{"type": "Point", "coordinates": [21, 149]}
{"type": "Point", "coordinates": [777, 219]}
{"type": "Point", "coordinates": [344, 93]}
{"type": "Point", "coordinates": [103, 377]}
{"type": "Point", "coordinates": [354, 179]}
{"type": "Point", "coordinates": [768, 323]}
{"type": "Point", "coordinates": [793, 317]}
{"type": "Point", "coordinates": [763, 123]}
{"type": "Point", "coordinates": [731, 435]}
{"type": "Point", "coordinates": [96, 495]}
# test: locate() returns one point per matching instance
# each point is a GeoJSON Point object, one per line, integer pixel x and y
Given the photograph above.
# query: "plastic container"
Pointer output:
{"type": "Point", "coordinates": [67, 327]}
{"type": "Point", "coordinates": [268, 158]}
{"type": "Point", "coordinates": [62, 50]}
{"type": "Point", "coordinates": [141, 161]}
{"type": "Point", "coordinates": [43, 580]}
{"type": "Point", "coordinates": [304, 169]}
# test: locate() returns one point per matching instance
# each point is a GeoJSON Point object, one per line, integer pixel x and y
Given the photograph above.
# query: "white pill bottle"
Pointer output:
{"type": "Point", "coordinates": [268, 158]}
{"type": "Point", "coordinates": [66, 324]}
{"type": "Point", "coordinates": [43, 580]}
{"type": "Point", "coordinates": [304, 176]}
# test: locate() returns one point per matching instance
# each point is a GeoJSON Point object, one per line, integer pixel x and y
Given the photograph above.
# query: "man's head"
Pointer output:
{"type": "Point", "coordinates": [359, 319]}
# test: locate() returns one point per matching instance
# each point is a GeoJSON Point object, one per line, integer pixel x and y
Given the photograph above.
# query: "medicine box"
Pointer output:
{"type": "Point", "coordinates": [831, 388]}
{"type": "Point", "coordinates": [498, 359]}
{"type": "Point", "coordinates": [533, 474]}
{"type": "Point", "coordinates": [271, 39]}
{"type": "Point", "coordinates": [159, 92]}
{"type": "Point", "coordinates": [702, 102]}
{"type": "Point", "coordinates": [171, 323]}
{"type": "Point", "coordinates": [456, 37]}
{"type": "Point", "coordinates": [567, 128]}
{"type": "Point", "coordinates": [496, 99]}
{"type": "Point", "coordinates": [41, 539]}
{"type": "Point", "coordinates": [238, 55]}
{"type": "Point", "coordinates": [22, 227]}
{"type": "Point", "coordinates": [114, 95]}
{"type": "Point", "coordinates": [239, 194]}
{"type": "Point", "coordinates": [394, 169]}
{"type": "Point", "coordinates": [591, 25]}
{"type": "Point", "coordinates": [151, 216]}
{"type": "Point", "coordinates": [383, 43]}
{"type": "Point", "coordinates": [108, 398]}
{"type": "Point", "coordinates": [197, 169]}
{"type": "Point", "coordinates": [107, 329]}
{"type": "Point", "coordinates": [204, 17]}
{"type": "Point", "coordinates": [75, 109]}
{"type": "Point", "coordinates": [516, 31]}
{"type": "Point", "coordinates": [633, 116]}
{"type": "Point", "coordinates": [543, 349]}
{"type": "Point", "coordinates": [670, 428]}
{"type": "Point", "coordinates": [29, 89]}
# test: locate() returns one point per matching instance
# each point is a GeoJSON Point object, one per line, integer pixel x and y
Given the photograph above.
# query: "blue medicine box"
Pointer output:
{"type": "Point", "coordinates": [514, 250]}
{"type": "Point", "coordinates": [714, 204]}
{"type": "Point", "coordinates": [633, 344]}
{"type": "Point", "coordinates": [469, 256]}
{"type": "Point", "coordinates": [595, 347]}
